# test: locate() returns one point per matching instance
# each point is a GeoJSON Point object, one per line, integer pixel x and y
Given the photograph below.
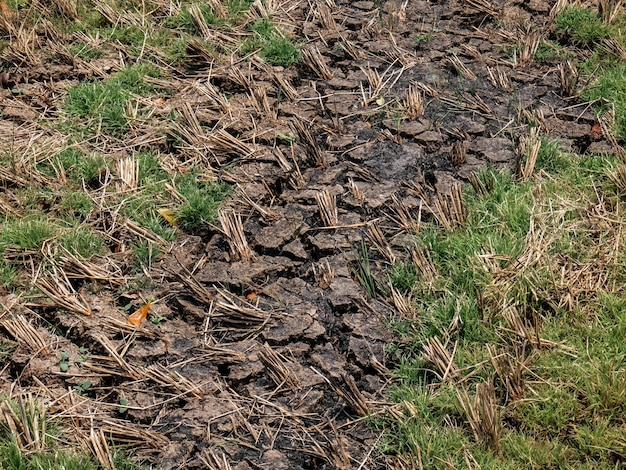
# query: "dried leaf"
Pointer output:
{"type": "Point", "coordinates": [139, 315]}
{"type": "Point", "coordinates": [170, 216]}
{"type": "Point", "coordinates": [596, 131]}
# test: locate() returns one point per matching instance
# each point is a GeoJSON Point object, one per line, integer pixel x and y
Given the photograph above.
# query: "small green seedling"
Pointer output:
{"type": "Point", "coordinates": [156, 319]}
{"type": "Point", "coordinates": [82, 387]}
{"type": "Point", "coordinates": [64, 362]}
{"type": "Point", "coordinates": [123, 408]}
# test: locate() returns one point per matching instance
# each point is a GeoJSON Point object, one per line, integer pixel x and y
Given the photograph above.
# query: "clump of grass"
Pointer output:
{"type": "Point", "coordinates": [274, 46]}
{"type": "Point", "coordinates": [102, 103]}
{"type": "Point", "coordinates": [82, 242]}
{"type": "Point", "coordinates": [581, 25]}
{"type": "Point", "coordinates": [201, 202]}
{"type": "Point", "coordinates": [25, 234]}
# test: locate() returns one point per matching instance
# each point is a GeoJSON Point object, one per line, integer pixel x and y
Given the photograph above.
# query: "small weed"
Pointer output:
{"type": "Point", "coordinates": [8, 274]}
{"type": "Point", "coordinates": [551, 51]}
{"type": "Point", "coordinates": [156, 320]}
{"type": "Point", "coordinates": [144, 254]}
{"type": "Point", "coordinates": [64, 362]}
{"type": "Point", "coordinates": [422, 39]}
{"type": "Point", "coordinates": [82, 387]}
{"type": "Point", "coordinates": [362, 271]}
{"type": "Point", "coordinates": [123, 408]}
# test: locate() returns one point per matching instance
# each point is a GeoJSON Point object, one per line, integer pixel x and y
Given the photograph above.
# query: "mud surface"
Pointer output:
{"type": "Point", "coordinates": [269, 355]}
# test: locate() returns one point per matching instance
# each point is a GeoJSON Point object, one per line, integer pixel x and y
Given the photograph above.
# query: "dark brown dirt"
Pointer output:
{"type": "Point", "coordinates": [272, 362]}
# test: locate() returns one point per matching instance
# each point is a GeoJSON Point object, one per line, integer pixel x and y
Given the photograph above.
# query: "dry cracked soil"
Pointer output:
{"type": "Point", "coordinates": [271, 354]}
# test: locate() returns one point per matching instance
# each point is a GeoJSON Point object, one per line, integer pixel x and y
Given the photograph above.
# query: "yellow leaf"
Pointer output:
{"type": "Point", "coordinates": [380, 101]}
{"type": "Point", "coordinates": [170, 216]}
{"type": "Point", "coordinates": [139, 316]}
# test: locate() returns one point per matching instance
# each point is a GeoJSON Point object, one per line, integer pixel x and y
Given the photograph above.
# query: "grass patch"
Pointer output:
{"type": "Point", "coordinates": [529, 312]}
{"type": "Point", "coordinates": [273, 45]}
{"type": "Point", "coordinates": [103, 103]}
{"type": "Point", "coordinates": [202, 201]}
{"type": "Point", "coordinates": [581, 25]}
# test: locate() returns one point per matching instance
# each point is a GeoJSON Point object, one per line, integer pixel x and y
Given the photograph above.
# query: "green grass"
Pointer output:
{"type": "Point", "coordinates": [102, 103]}
{"type": "Point", "coordinates": [604, 71]}
{"type": "Point", "coordinates": [522, 243]}
{"type": "Point", "coordinates": [202, 201]}
{"type": "Point", "coordinates": [581, 25]}
{"type": "Point", "coordinates": [274, 46]}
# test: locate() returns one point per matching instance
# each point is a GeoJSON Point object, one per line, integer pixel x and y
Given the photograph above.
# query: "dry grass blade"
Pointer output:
{"type": "Point", "coordinates": [327, 204]}
{"type": "Point", "coordinates": [128, 173]}
{"type": "Point", "coordinates": [458, 155]}
{"type": "Point", "coordinates": [312, 57]}
{"type": "Point", "coordinates": [356, 193]}
{"type": "Point", "coordinates": [403, 216]}
{"type": "Point", "coordinates": [100, 449]}
{"type": "Point", "coordinates": [171, 379]}
{"type": "Point", "coordinates": [613, 47]}
{"type": "Point", "coordinates": [195, 13]}
{"type": "Point", "coordinates": [529, 147]}
{"type": "Point", "coordinates": [123, 432]}
{"type": "Point", "coordinates": [76, 268]}
{"type": "Point", "coordinates": [25, 334]}
{"type": "Point", "coordinates": [568, 76]}
{"type": "Point", "coordinates": [326, 18]}
{"type": "Point", "coordinates": [510, 370]}
{"type": "Point", "coordinates": [482, 414]}
{"type": "Point", "coordinates": [198, 51]}
{"type": "Point", "coordinates": [260, 101]}
{"type": "Point", "coordinates": [354, 52]}
{"type": "Point", "coordinates": [499, 78]}
{"type": "Point", "coordinates": [347, 389]}
{"type": "Point", "coordinates": [324, 274]}
{"type": "Point", "coordinates": [68, 8]}
{"type": "Point", "coordinates": [607, 124]}
{"type": "Point", "coordinates": [127, 368]}
{"type": "Point", "coordinates": [279, 368]}
{"type": "Point", "coordinates": [414, 101]}
{"type": "Point", "coordinates": [60, 291]}
{"type": "Point", "coordinates": [449, 209]}
{"type": "Point", "coordinates": [423, 262]}
{"type": "Point", "coordinates": [483, 6]}
{"type": "Point", "coordinates": [305, 138]}
{"type": "Point", "coordinates": [427, 89]}
{"type": "Point", "coordinates": [378, 239]}
{"type": "Point", "coordinates": [403, 304]}
{"type": "Point", "coordinates": [213, 461]}
{"type": "Point", "coordinates": [609, 10]}
{"type": "Point", "coordinates": [468, 102]}
{"type": "Point", "coordinates": [26, 421]}
{"type": "Point", "coordinates": [527, 48]}
{"type": "Point", "coordinates": [220, 101]}
{"type": "Point", "coordinates": [436, 353]}
{"type": "Point", "coordinates": [461, 68]}
{"type": "Point", "coordinates": [232, 227]}
{"type": "Point", "coordinates": [559, 6]}
{"type": "Point", "coordinates": [285, 86]}
{"type": "Point", "coordinates": [222, 142]}
{"type": "Point", "coordinates": [234, 311]}
{"type": "Point", "coordinates": [267, 214]}
{"type": "Point", "coordinates": [619, 177]}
